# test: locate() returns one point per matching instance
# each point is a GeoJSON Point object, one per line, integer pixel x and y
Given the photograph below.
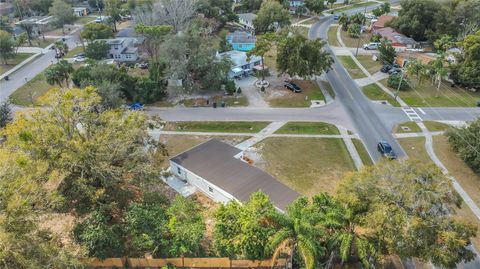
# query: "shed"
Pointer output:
{"type": "Point", "coordinates": [215, 169]}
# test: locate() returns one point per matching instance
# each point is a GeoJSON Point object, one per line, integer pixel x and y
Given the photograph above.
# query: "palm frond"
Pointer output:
{"type": "Point", "coordinates": [308, 250]}
{"type": "Point", "coordinates": [345, 245]}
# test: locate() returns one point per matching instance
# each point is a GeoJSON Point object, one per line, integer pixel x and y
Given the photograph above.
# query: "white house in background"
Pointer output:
{"type": "Point", "coordinates": [80, 11]}
{"type": "Point", "coordinates": [39, 24]}
{"type": "Point", "coordinates": [216, 169]}
{"type": "Point", "coordinates": [246, 19]}
{"type": "Point", "coordinates": [122, 49]}
{"type": "Point", "coordinates": [240, 64]}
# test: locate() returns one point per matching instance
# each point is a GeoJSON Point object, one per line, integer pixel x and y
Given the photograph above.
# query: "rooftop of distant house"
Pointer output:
{"type": "Point", "coordinates": [395, 37]}
{"type": "Point", "coordinates": [382, 20]}
{"type": "Point", "coordinates": [242, 37]}
{"type": "Point", "coordinates": [37, 20]}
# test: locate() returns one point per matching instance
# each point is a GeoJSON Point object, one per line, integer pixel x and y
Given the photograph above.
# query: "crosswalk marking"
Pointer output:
{"type": "Point", "coordinates": [412, 114]}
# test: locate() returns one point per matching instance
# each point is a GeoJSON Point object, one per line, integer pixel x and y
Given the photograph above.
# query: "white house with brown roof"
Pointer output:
{"type": "Point", "coordinates": [216, 169]}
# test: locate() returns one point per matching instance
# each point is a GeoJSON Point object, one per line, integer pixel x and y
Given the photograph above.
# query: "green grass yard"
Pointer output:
{"type": "Point", "coordinates": [332, 36]}
{"type": "Point", "coordinates": [369, 64]}
{"type": "Point", "coordinates": [351, 66]}
{"type": "Point", "coordinates": [424, 95]}
{"type": "Point", "coordinates": [435, 126]}
{"type": "Point", "coordinates": [409, 124]}
{"type": "Point", "coordinates": [310, 91]}
{"type": "Point", "coordinates": [85, 19]}
{"type": "Point", "coordinates": [362, 151]}
{"type": "Point", "coordinates": [29, 93]}
{"type": "Point", "coordinates": [308, 128]}
{"type": "Point", "coordinates": [415, 148]}
{"type": "Point", "coordinates": [356, 5]}
{"type": "Point", "coordinates": [11, 63]}
{"type": "Point", "coordinates": [41, 43]}
{"type": "Point", "coordinates": [374, 92]}
{"type": "Point", "coordinates": [217, 126]}
{"type": "Point", "coordinates": [352, 42]}
{"type": "Point", "coordinates": [230, 101]}
{"type": "Point", "coordinates": [73, 52]}
{"type": "Point", "coordinates": [307, 165]}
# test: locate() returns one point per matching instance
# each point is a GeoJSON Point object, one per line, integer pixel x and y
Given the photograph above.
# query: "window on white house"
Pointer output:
{"type": "Point", "coordinates": [210, 189]}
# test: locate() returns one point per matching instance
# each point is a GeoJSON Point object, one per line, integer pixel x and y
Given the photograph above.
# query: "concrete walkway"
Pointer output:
{"type": "Point", "coordinates": [267, 131]}
{"type": "Point", "coordinates": [156, 133]}
{"type": "Point", "coordinates": [351, 148]}
{"type": "Point", "coordinates": [369, 80]}
{"type": "Point", "coordinates": [429, 146]}
{"type": "Point", "coordinates": [20, 65]}
{"type": "Point", "coordinates": [251, 92]}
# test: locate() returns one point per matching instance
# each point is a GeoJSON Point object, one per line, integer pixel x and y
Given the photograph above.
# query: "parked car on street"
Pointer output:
{"type": "Point", "coordinates": [80, 57]}
{"type": "Point", "coordinates": [292, 86]}
{"type": "Point", "coordinates": [386, 150]}
{"type": "Point", "coordinates": [371, 46]}
{"type": "Point", "coordinates": [385, 68]}
{"type": "Point", "coordinates": [336, 17]}
{"type": "Point", "coordinates": [394, 70]}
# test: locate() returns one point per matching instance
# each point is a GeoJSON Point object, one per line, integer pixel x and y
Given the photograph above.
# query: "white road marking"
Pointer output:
{"type": "Point", "coordinates": [421, 110]}
{"type": "Point", "coordinates": [412, 114]}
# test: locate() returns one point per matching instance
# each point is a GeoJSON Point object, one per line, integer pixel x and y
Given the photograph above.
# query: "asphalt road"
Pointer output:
{"type": "Point", "coordinates": [360, 109]}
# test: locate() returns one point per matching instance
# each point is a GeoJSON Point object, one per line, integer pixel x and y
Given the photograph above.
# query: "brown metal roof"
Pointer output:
{"type": "Point", "coordinates": [214, 161]}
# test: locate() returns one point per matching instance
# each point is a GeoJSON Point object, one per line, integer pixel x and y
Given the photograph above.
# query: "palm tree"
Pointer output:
{"type": "Point", "coordinates": [344, 20]}
{"type": "Point", "coordinates": [61, 47]}
{"type": "Point", "coordinates": [417, 68]}
{"type": "Point", "coordinates": [439, 70]}
{"type": "Point", "coordinates": [59, 73]}
{"type": "Point", "coordinates": [299, 234]}
{"type": "Point", "coordinates": [342, 232]}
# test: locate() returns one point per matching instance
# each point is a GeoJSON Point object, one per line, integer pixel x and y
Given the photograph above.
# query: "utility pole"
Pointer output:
{"type": "Point", "coordinates": [360, 37]}
{"type": "Point", "coordinates": [403, 74]}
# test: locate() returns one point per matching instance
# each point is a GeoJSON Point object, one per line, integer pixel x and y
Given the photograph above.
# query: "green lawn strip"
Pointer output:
{"type": "Point", "coordinates": [362, 151]}
{"type": "Point", "coordinates": [410, 124]}
{"type": "Point", "coordinates": [424, 95]}
{"type": "Point", "coordinates": [308, 128]}
{"type": "Point", "coordinates": [332, 36]}
{"type": "Point", "coordinates": [374, 92]}
{"type": "Point", "coordinates": [307, 165]}
{"type": "Point", "coordinates": [326, 86]}
{"type": "Point", "coordinates": [73, 52]}
{"type": "Point", "coordinates": [415, 148]}
{"type": "Point", "coordinates": [356, 5]}
{"type": "Point", "coordinates": [217, 126]}
{"type": "Point", "coordinates": [229, 101]}
{"type": "Point", "coordinates": [435, 126]}
{"type": "Point", "coordinates": [84, 20]}
{"type": "Point", "coordinates": [11, 63]}
{"type": "Point", "coordinates": [353, 42]}
{"type": "Point", "coordinates": [310, 21]}
{"type": "Point", "coordinates": [369, 64]}
{"type": "Point", "coordinates": [310, 91]}
{"type": "Point", "coordinates": [39, 42]}
{"type": "Point", "coordinates": [29, 93]}
{"type": "Point", "coordinates": [351, 66]}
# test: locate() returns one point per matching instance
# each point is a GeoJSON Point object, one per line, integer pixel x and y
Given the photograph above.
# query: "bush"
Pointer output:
{"type": "Point", "coordinates": [239, 90]}
{"type": "Point", "coordinates": [375, 38]}
{"type": "Point", "coordinates": [394, 81]}
{"type": "Point", "coordinates": [97, 50]}
{"type": "Point", "coordinates": [354, 30]}
{"type": "Point", "coordinates": [230, 87]}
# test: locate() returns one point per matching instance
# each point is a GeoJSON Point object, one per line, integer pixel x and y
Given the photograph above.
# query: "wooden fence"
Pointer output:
{"type": "Point", "coordinates": [183, 263]}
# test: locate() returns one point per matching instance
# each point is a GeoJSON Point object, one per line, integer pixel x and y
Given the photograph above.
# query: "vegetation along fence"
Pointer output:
{"type": "Point", "coordinates": [183, 263]}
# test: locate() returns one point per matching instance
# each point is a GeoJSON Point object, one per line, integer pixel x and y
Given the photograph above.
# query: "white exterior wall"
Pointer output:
{"type": "Point", "coordinates": [212, 191]}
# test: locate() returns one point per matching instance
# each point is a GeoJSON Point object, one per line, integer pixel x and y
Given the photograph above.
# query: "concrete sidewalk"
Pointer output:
{"type": "Point", "coordinates": [267, 131]}
{"type": "Point", "coordinates": [351, 148]}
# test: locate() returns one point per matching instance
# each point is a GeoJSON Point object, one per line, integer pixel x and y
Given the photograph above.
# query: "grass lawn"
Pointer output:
{"type": "Point", "coordinates": [424, 95]}
{"type": "Point", "coordinates": [217, 126]}
{"type": "Point", "coordinates": [326, 86]}
{"type": "Point", "coordinates": [39, 42]}
{"type": "Point", "coordinates": [308, 128]}
{"type": "Point", "coordinates": [310, 21]}
{"type": "Point", "coordinates": [351, 66]}
{"type": "Point", "coordinates": [415, 148]}
{"type": "Point", "coordinates": [356, 5]}
{"type": "Point", "coordinates": [435, 126]}
{"type": "Point", "coordinates": [137, 72]}
{"type": "Point", "coordinates": [177, 144]}
{"type": "Point", "coordinates": [271, 58]}
{"type": "Point", "coordinates": [73, 52]}
{"type": "Point", "coordinates": [18, 58]}
{"type": "Point", "coordinates": [29, 93]}
{"type": "Point", "coordinates": [307, 165]}
{"type": "Point", "coordinates": [290, 99]}
{"type": "Point", "coordinates": [469, 181]}
{"type": "Point", "coordinates": [369, 64]}
{"type": "Point", "coordinates": [410, 124]}
{"type": "Point", "coordinates": [332, 36]}
{"type": "Point", "coordinates": [229, 101]}
{"type": "Point", "coordinates": [352, 42]}
{"type": "Point", "coordinates": [465, 177]}
{"type": "Point", "coordinates": [84, 20]}
{"type": "Point", "coordinates": [362, 151]}
{"type": "Point", "coordinates": [373, 92]}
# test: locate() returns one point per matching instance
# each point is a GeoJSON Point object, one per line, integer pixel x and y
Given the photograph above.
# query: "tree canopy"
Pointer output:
{"type": "Point", "coordinates": [465, 141]}
{"type": "Point", "coordinates": [62, 12]}
{"type": "Point", "coordinates": [94, 31]}
{"type": "Point", "coordinates": [271, 16]}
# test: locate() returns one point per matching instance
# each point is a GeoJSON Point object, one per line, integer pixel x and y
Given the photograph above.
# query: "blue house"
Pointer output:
{"type": "Point", "coordinates": [242, 41]}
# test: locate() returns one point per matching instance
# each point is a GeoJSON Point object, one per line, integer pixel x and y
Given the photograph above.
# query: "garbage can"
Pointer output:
{"type": "Point", "coordinates": [223, 104]}
{"type": "Point", "coordinates": [214, 104]}
{"type": "Point", "coordinates": [7, 78]}
{"type": "Point", "coordinates": [478, 103]}
{"type": "Point", "coordinates": [208, 102]}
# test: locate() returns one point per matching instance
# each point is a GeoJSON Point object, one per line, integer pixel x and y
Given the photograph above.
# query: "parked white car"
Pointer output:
{"type": "Point", "coordinates": [371, 46]}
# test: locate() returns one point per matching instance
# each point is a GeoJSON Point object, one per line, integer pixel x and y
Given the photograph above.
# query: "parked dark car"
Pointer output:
{"type": "Point", "coordinates": [394, 70]}
{"type": "Point", "coordinates": [292, 86]}
{"type": "Point", "coordinates": [385, 68]}
{"type": "Point", "coordinates": [143, 66]}
{"type": "Point", "coordinates": [336, 17]}
{"type": "Point", "coordinates": [386, 150]}
{"type": "Point", "coordinates": [136, 106]}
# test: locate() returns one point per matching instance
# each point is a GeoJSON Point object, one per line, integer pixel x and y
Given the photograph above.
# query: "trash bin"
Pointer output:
{"type": "Point", "coordinates": [214, 104]}
{"type": "Point", "coordinates": [208, 102]}
{"type": "Point", "coordinates": [7, 78]}
{"type": "Point", "coordinates": [223, 104]}
{"type": "Point", "coordinates": [478, 103]}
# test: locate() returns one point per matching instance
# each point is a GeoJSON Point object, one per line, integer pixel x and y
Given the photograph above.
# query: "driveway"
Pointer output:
{"type": "Point", "coordinates": [255, 98]}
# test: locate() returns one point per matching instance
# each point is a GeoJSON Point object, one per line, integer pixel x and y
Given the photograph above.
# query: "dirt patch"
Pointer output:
{"type": "Point", "coordinates": [208, 212]}
{"type": "Point", "coordinates": [61, 225]}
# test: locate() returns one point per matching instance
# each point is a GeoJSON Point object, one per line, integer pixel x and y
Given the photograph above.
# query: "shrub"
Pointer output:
{"type": "Point", "coordinates": [466, 143]}
{"type": "Point", "coordinates": [394, 81]}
